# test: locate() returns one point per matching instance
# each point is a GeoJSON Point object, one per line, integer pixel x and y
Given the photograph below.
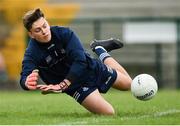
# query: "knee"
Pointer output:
{"type": "Point", "coordinates": [109, 111]}
{"type": "Point", "coordinates": [124, 85]}
{"type": "Point", "coordinates": [128, 84]}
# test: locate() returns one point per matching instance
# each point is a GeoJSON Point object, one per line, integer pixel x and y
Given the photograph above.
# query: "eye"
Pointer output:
{"type": "Point", "coordinates": [37, 30]}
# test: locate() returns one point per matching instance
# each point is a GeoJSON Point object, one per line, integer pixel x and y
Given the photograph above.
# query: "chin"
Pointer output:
{"type": "Point", "coordinates": [47, 39]}
{"type": "Point", "coordinates": [44, 41]}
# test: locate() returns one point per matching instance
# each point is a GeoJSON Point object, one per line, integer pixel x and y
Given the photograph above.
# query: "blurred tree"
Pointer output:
{"type": "Point", "coordinates": [3, 75]}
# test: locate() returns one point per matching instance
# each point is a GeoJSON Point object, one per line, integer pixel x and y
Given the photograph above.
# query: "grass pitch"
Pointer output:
{"type": "Point", "coordinates": [29, 108]}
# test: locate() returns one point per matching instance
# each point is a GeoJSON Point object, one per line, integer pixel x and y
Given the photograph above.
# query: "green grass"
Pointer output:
{"type": "Point", "coordinates": [31, 108]}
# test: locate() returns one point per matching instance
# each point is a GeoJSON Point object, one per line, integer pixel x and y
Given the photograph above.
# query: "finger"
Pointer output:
{"type": "Point", "coordinates": [31, 87]}
{"type": "Point", "coordinates": [52, 88]}
{"type": "Point", "coordinates": [47, 89]}
{"type": "Point", "coordinates": [35, 71]}
{"type": "Point", "coordinates": [33, 83]}
{"type": "Point", "coordinates": [42, 87]}
{"type": "Point", "coordinates": [30, 79]}
{"type": "Point", "coordinates": [34, 75]}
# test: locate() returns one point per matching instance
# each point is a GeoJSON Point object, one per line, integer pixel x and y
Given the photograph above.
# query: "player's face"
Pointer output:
{"type": "Point", "coordinates": [40, 31]}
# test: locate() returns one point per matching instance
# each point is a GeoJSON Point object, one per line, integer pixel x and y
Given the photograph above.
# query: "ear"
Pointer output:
{"type": "Point", "coordinates": [30, 34]}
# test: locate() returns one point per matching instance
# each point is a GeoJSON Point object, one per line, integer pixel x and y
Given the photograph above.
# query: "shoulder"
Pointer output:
{"type": "Point", "coordinates": [31, 45]}
{"type": "Point", "coordinates": [61, 30]}
{"type": "Point", "coordinates": [32, 48]}
{"type": "Point", "coordinates": [33, 52]}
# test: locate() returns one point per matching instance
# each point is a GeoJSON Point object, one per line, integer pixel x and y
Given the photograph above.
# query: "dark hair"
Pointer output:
{"type": "Point", "coordinates": [30, 17]}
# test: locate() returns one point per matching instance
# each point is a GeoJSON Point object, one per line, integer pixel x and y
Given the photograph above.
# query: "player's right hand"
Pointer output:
{"type": "Point", "coordinates": [31, 80]}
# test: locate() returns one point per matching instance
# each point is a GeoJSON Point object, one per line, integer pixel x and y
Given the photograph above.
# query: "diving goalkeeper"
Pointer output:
{"type": "Point", "coordinates": [56, 55]}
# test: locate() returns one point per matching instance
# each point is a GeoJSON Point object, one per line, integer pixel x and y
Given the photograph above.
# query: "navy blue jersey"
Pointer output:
{"type": "Point", "coordinates": [63, 57]}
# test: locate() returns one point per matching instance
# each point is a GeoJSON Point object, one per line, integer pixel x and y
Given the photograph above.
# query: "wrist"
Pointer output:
{"type": "Point", "coordinates": [67, 82]}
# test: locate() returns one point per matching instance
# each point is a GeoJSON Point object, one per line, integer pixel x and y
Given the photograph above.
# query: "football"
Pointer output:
{"type": "Point", "coordinates": [144, 87]}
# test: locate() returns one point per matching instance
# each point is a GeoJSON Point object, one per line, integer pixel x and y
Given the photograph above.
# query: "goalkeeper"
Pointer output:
{"type": "Point", "coordinates": [56, 55]}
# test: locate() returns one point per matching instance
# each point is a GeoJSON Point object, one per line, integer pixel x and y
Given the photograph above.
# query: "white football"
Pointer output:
{"type": "Point", "coordinates": [144, 87]}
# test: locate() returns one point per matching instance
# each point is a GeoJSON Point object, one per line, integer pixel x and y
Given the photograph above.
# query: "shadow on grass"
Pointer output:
{"type": "Point", "coordinates": [68, 114]}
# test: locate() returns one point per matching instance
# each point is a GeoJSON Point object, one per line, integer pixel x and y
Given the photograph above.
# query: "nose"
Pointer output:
{"type": "Point", "coordinates": [43, 31]}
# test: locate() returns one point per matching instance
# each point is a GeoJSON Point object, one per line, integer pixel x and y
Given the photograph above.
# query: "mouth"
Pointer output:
{"type": "Point", "coordinates": [46, 35]}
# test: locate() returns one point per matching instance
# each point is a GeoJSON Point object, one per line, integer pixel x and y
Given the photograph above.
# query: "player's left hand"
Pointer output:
{"type": "Point", "coordinates": [57, 88]}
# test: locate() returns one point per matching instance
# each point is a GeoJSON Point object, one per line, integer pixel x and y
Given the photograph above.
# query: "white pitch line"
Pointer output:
{"type": "Point", "coordinates": [157, 114]}
{"type": "Point", "coordinates": [75, 123]}
{"type": "Point", "coordinates": [171, 111]}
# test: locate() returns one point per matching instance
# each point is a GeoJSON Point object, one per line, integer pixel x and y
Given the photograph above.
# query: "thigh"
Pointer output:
{"type": "Point", "coordinates": [122, 82]}
{"type": "Point", "coordinates": [95, 103]}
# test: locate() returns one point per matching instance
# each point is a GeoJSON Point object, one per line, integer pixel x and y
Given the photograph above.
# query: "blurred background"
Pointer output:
{"type": "Point", "coordinates": [150, 30]}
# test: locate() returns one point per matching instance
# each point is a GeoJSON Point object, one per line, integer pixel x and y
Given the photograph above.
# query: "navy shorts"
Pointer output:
{"type": "Point", "coordinates": [102, 81]}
